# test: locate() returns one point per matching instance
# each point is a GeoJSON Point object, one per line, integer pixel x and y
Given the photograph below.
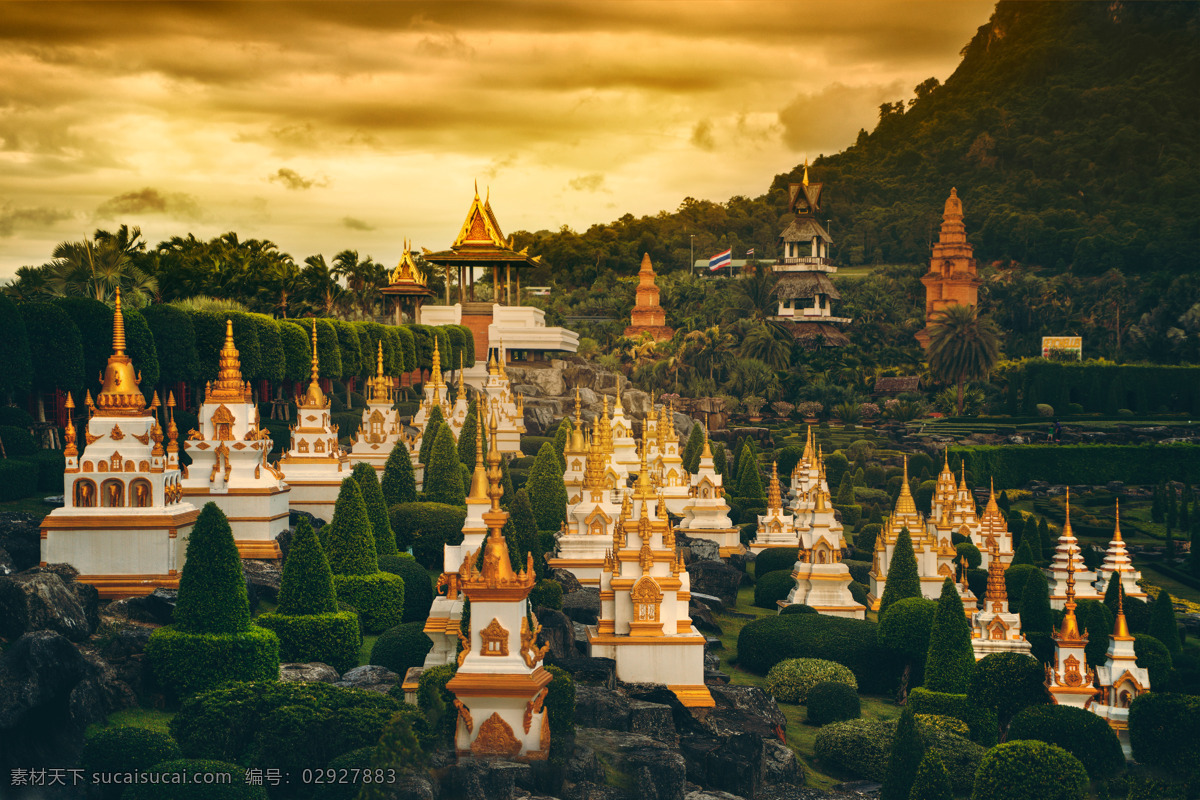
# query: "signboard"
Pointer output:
{"type": "Point", "coordinates": [1062, 345]}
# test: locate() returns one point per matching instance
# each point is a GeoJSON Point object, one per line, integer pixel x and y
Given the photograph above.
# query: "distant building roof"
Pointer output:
{"type": "Point", "coordinates": [803, 229]}
{"type": "Point", "coordinates": [794, 285]}
{"type": "Point", "coordinates": [897, 385]}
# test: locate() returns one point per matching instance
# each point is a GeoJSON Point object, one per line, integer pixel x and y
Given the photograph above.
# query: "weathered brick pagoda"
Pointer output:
{"type": "Point", "coordinates": [647, 315]}
{"type": "Point", "coordinates": [953, 278]}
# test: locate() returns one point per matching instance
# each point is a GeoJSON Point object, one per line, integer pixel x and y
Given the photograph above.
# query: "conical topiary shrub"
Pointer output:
{"type": "Point", "coordinates": [951, 659]}
{"type": "Point", "coordinates": [547, 492]}
{"type": "Point", "coordinates": [902, 577]}
{"type": "Point", "coordinates": [432, 423]}
{"type": "Point", "coordinates": [377, 596]}
{"type": "Point", "coordinates": [212, 641]}
{"type": "Point", "coordinates": [443, 471]}
{"type": "Point", "coordinates": [520, 531]}
{"type": "Point", "coordinates": [693, 450]}
{"type": "Point", "coordinates": [561, 436]}
{"type": "Point", "coordinates": [466, 439]}
{"type": "Point", "coordinates": [932, 782]}
{"type": "Point", "coordinates": [904, 759]}
{"type": "Point", "coordinates": [307, 622]}
{"type": "Point", "coordinates": [368, 483]}
{"type": "Point", "coordinates": [399, 483]}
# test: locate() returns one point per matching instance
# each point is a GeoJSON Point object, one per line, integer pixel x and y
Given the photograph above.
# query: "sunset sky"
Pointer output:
{"type": "Point", "coordinates": [325, 126]}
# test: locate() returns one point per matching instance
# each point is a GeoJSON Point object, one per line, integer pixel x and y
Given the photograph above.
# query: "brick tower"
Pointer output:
{"type": "Point", "coordinates": [647, 315]}
{"type": "Point", "coordinates": [953, 278]}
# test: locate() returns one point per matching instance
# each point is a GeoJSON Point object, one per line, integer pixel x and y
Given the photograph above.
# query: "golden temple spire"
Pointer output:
{"type": "Point", "coordinates": [808, 446]}
{"type": "Point", "coordinates": [1121, 626]}
{"type": "Point", "coordinates": [479, 478]}
{"type": "Point", "coordinates": [156, 431]}
{"type": "Point", "coordinates": [1117, 529]}
{"type": "Point", "coordinates": [774, 499]}
{"type": "Point", "coordinates": [905, 503]}
{"type": "Point", "coordinates": [707, 451]}
{"type": "Point", "coordinates": [69, 450]}
{"type": "Point", "coordinates": [1070, 625]}
{"type": "Point", "coordinates": [120, 396]}
{"type": "Point", "coordinates": [172, 431]}
{"type": "Point", "coordinates": [229, 384]}
{"type": "Point", "coordinates": [997, 591]}
{"type": "Point", "coordinates": [501, 359]}
{"type": "Point", "coordinates": [804, 180]}
{"type": "Point", "coordinates": [492, 362]}
{"type": "Point", "coordinates": [461, 385]}
{"type": "Point", "coordinates": [962, 484]}
{"type": "Point", "coordinates": [495, 475]}
{"type": "Point", "coordinates": [436, 370]}
{"type": "Point", "coordinates": [578, 418]}
{"type": "Point", "coordinates": [314, 397]}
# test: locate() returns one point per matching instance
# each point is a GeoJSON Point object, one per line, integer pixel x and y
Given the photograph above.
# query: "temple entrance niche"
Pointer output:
{"type": "Point", "coordinates": [647, 604]}
{"type": "Point", "coordinates": [140, 493]}
{"type": "Point", "coordinates": [85, 493]}
{"type": "Point", "coordinates": [112, 493]}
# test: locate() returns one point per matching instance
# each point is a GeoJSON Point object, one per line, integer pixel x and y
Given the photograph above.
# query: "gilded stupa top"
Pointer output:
{"type": "Point", "coordinates": [435, 371]}
{"type": "Point", "coordinates": [120, 396]}
{"type": "Point", "coordinates": [379, 387]}
{"type": "Point", "coordinates": [1069, 632]}
{"type": "Point", "coordinates": [905, 503]}
{"type": "Point", "coordinates": [229, 384]}
{"type": "Point", "coordinates": [314, 397]}
{"type": "Point", "coordinates": [774, 495]}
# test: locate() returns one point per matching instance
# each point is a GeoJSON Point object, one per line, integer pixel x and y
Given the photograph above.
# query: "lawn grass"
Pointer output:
{"type": "Point", "coordinates": [137, 717]}
{"type": "Point", "coordinates": [364, 652]}
{"type": "Point", "coordinates": [27, 505]}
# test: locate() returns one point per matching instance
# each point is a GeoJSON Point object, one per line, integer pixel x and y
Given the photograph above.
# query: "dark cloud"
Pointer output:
{"type": "Point", "coordinates": [12, 218]}
{"type": "Point", "coordinates": [294, 180]}
{"type": "Point", "coordinates": [355, 224]}
{"type": "Point", "coordinates": [150, 201]}
{"type": "Point", "coordinates": [828, 119]}
{"type": "Point", "coordinates": [702, 135]}
{"type": "Point", "coordinates": [588, 183]}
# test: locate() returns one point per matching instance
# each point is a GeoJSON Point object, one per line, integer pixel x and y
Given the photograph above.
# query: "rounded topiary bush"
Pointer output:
{"type": "Point", "coordinates": [1029, 770]}
{"type": "Point", "coordinates": [860, 748]}
{"type": "Point", "coordinates": [402, 647]}
{"type": "Point", "coordinates": [418, 588]}
{"type": "Point", "coordinates": [379, 598]}
{"type": "Point", "coordinates": [772, 587]}
{"type": "Point", "coordinates": [790, 681]}
{"type": "Point", "coordinates": [426, 527]}
{"type": "Point", "coordinates": [546, 593]}
{"type": "Point", "coordinates": [125, 749]}
{"type": "Point", "coordinates": [1081, 733]}
{"type": "Point", "coordinates": [798, 608]}
{"type": "Point", "coordinates": [832, 701]}
{"type": "Point", "coordinates": [774, 559]}
{"type": "Point", "coordinates": [207, 780]}
{"type": "Point", "coordinates": [1164, 730]}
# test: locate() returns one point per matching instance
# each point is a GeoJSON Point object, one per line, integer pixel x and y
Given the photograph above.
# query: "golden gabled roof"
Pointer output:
{"type": "Point", "coordinates": [480, 226]}
{"type": "Point", "coordinates": [406, 270]}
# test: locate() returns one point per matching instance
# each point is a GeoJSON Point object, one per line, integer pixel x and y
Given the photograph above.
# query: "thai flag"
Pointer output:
{"type": "Point", "coordinates": [720, 260]}
{"type": "Point", "coordinates": [750, 252]}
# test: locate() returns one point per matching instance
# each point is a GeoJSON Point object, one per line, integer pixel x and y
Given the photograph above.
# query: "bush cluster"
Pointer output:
{"type": "Point", "coordinates": [790, 681]}
{"type": "Point", "coordinates": [982, 721]}
{"type": "Point", "coordinates": [546, 593]}
{"type": "Point", "coordinates": [832, 701]}
{"type": "Point", "coordinates": [1028, 770]}
{"type": "Point", "coordinates": [772, 587]}
{"type": "Point", "coordinates": [418, 589]}
{"type": "Point", "coordinates": [378, 598]}
{"type": "Point", "coordinates": [426, 527]}
{"type": "Point", "coordinates": [860, 748]}
{"type": "Point", "coordinates": [1164, 731]}
{"type": "Point", "coordinates": [187, 663]}
{"type": "Point", "coordinates": [402, 647]}
{"type": "Point", "coordinates": [774, 559]}
{"type": "Point", "coordinates": [798, 608]}
{"type": "Point", "coordinates": [1081, 733]}
{"type": "Point", "coordinates": [333, 639]}
{"type": "Point", "coordinates": [124, 748]}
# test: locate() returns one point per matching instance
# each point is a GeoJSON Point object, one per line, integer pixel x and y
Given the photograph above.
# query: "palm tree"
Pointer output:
{"type": "Point", "coordinates": [96, 267]}
{"type": "Point", "coordinates": [963, 346]}
{"type": "Point", "coordinates": [363, 279]}
{"type": "Point", "coordinates": [764, 343]}
{"type": "Point", "coordinates": [754, 296]}
{"type": "Point", "coordinates": [319, 285]}
{"type": "Point", "coordinates": [708, 347]}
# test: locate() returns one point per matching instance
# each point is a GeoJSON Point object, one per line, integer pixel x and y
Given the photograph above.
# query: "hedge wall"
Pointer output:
{"type": "Point", "coordinates": [1082, 463]}
{"type": "Point", "coordinates": [1103, 388]}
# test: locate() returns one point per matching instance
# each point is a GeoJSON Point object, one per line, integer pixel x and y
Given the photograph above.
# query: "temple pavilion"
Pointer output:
{"type": "Point", "coordinates": [647, 315]}
{"type": "Point", "coordinates": [953, 278]}
{"type": "Point", "coordinates": [804, 291]}
{"type": "Point", "coordinates": [406, 286]}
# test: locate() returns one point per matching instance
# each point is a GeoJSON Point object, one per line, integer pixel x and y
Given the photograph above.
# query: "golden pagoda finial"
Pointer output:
{"type": "Point", "coordinates": [316, 361]}
{"type": "Point", "coordinates": [314, 397]}
{"type": "Point", "coordinates": [997, 591]}
{"type": "Point", "coordinates": [617, 405]}
{"type": "Point", "coordinates": [436, 370]}
{"type": "Point", "coordinates": [172, 431]}
{"type": "Point", "coordinates": [69, 450]}
{"type": "Point", "coordinates": [492, 362]}
{"type": "Point", "coordinates": [495, 475]}
{"type": "Point", "coordinates": [774, 499]}
{"type": "Point", "coordinates": [479, 479]}
{"type": "Point", "coordinates": [118, 341]}
{"type": "Point", "coordinates": [229, 384]}
{"type": "Point", "coordinates": [379, 360]}
{"type": "Point", "coordinates": [707, 452]}
{"type": "Point", "coordinates": [578, 419]}
{"type": "Point", "coordinates": [156, 431]}
{"type": "Point", "coordinates": [1070, 625]}
{"type": "Point", "coordinates": [905, 503]}
{"type": "Point", "coordinates": [89, 405]}
{"type": "Point", "coordinates": [962, 485]}
{"type": "Point", "coordinates": [804, 180]}
{"type": "Point", "coordinates": [1117, 529]}
{"type": "Point", "coordinates": [461, 385]}
{"type": "Point", "coordinates": [501, 360]}
{"type": "Point", "coordinates": [807, 457]}
{"type": "Point", "coordinates": [1121, 625]}
{"type": "Point", "coordinates": [119, 395]}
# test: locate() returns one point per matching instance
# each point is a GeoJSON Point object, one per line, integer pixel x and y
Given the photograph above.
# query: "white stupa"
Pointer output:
{"type": "Point", "coordinates": [1116, 562]}
{"type": "Point", "coordinates": [381, 429]}
{"type": "Point", "coordinates": [994, 628]}
{"type": "Point", "coordinates": [1068, 565]}
{"type": "Point", "coordinates": [706, 515]}
{"type": "Point", "coordinates": [776, 528]}
{"type": "Point", "coordinates": [584, 544]}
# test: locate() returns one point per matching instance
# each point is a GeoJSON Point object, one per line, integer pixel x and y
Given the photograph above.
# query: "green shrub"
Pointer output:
{"type": "Point", "coordinates": [212, 591]}
{"type": "Point", "coordinates": [1162, 623]}
{"type": "Point", "coordinates": [437, 702]}
{"type": "Point", "coordinates": [931, 782]}
{"type": "Point", "coordinates": [982, 720]}
{"type": "Point", "coordinates": [433, 424]}
{"type": "Point", "coordinates": [333, 638]}
{"type": "Point", "coordinates": [398, 749]}
{"type": "Point", "coordinates": [1081, 733]}
{"type": "Point", "coordinates": [124, 748]}
{"type": "Point", "coordinates": [1164, 731]}
{"type": "Point", "coordinates": [231, 785]}
{"type": "Point", "coordinates": [48, 467]}
{"type": "Point", "coordinates": [426, 527]}
{"type": "Point", "coordinates": [307, 583]}
{"type": "Point", "coordinates": [903, 580]}
{"type": "Point", "coordinates": [359, 759]}
{"type": "Point", "coordinates": [399, 483]}
{"type": "Point", "coordinates": [547, 492]}
{"type": "Point", "coordinates": [1152, 655]}
{"type": "Point", "coordinates": [832, 701]}
{"type": "Point", "coordinates": [1095, 464]}
{"type": "Point", "coordinates": [347, 539]}
{"type": "Point", "coordinates": [402, 647]}
{"type": "Point", "coordinates": [789, 681]}
{"type": "Point", "coordinates": [17, 480]}
{"type": "Point", "coordinates": [853, 643]}
{"type": "Point", "coordinates": [1015, 578]}
{"type": "Point", "coordinates": [951, 658]}
{"type": "Point", "coordinates": [774, 559]}
{"type": "Point", "coordinates": [443, 472]}
{"type": "Point", "coordinates": [905, 630]}
{"type": "Point", "coordinates": [379, 598]}
{"type": "Point", "coordinates": [903, 759]}
{"type": "Point", "coordinates": [859, 593]}
{"type": "Point", "coordinates": [798, 608]}
{"type": "Point", "coordinates": [185, 663]}
{"type": "Point", "coordinates": [940, 722]}
{"type": "Point", "coordinates": [864, 540]}
{"type": "Point", "coordinates": [377, 510]}
{"type": "Point", "coordinates": [418, 589]}
{"type": "Point", "coordinates": [860, 571]}
{"type": "Point", "coordinates": [18, 443]}
{"type": "Point", "coordinates": [859, 748]}
{"type": "Point", "coordinates": [546, 593]}
{"type": "Point", "coordinates": [1007, 683]}
{"type": "Point", "coordinates": [1026, 770]}
{"type": "Point", "coordinates": [297, 737]}
{"type": "Point", "coordinates": [772, 587]}
{"type": "Point", "coordinates": [560, 703]}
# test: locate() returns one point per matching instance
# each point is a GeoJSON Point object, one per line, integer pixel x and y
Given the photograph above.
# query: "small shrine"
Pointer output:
{"type": "Point", "coordinates": [1116, 562]}
{"type": "Point", "coordinates": [804, 291]}
{"type": "Point", "coordinates": [500, 687]}
{"type": "Point", "coordinates": [706, 515]}
{"type": "Point", "coordinates": [583, 546]}
{"type": "Point", "coordinates": [381, 429]}
{"type": "Point", "coordinates": [124, 523]}
{"type": "Point", "coordinates": [316, 464]}
{"type": "Point", "coordinates": [776, 528]}
{"type": "Point", "coordinates": [995, 629]}
{"type": "Point", "coordinates": [674, 482]}
{"type": "Point", "coordinates": [406, 286]}
{"type": "Point", "coordinates": [436, 393]}
{"type": "Point", "coordinates": [1069, 679]}
{"type": "Point", "coordinates": [804, 477]}
{"type": "Point", "coordinates": [623, 452]}
{"type": "Point", "coordinates": [953, 278]}
{"type": "Point", "coordinates": [1120, 679]}
{"type": "Point", "coordinates": [229, 461]}
{"type": "Point", "coordinates": [822, 581]}
{"type": "Point", "coordinates": [509, 411]}
{"type": "Point", "coordinates": [644, 591]}
{"type": "Point", "coordinates": [992, 537]}
{"type": "Point", "coordinates": [575, 453]}
{"type": "Point", "coordinates": [1067, 567]}
{"type": "Point", "coordinates": [647, 315]}
{"type": "Point", "coordinates": [462, 403]}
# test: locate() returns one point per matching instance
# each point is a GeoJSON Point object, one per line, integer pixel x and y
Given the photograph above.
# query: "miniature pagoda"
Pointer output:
{"type": "Point", "coordinates": [776, 528]}
{"type": "Point", "coordinates": [436, 393]}
{"type": "Point", "coordinates": [674, 482]}
{"type": "Point", "coordinates": [1120, 678]}
{"type": "Point", "coordinates": [462, 404]}
{"type": "Point", "coordinates": [822, 581]}
{"type": "Point", "coordinates": [623, 453]}
{"type": "Point", "coordinates": [123, 524]}
{"type": "Point", "coordinates": [381, 429]}
{"type": "Point", "coordinates": [1069, 679]}
{"type": "Point", "coordinates": [583, 546]}
{"type": "Point", "coordinates": [953, 278]}
{"type": "Point", "coordinates": [316, 464]}
{"type": "Point", "coordinates": [804, 477]}
{"type": "Point", "coordinates": [499, 688]}
{"type": "Point", "coordinates": [647, 316]}
{"type": "Point", "coordinates": [994, 628]}
{"type": "Point", "coordinates": [1116, 562]}
{"type": "Point", "coordinates": [1067, 567]}
{"type": "Point", "coordinates": [706, 515]}
{"type": "Point", "coordinates": [406, 285]}
{"type": "Point", "coordinates": [992, 537]}
{"type": "Point", "coordinates": [804, 291]}
{"type": "Point", "coordinates": [508, 410]}
{"type": "Point", "coordinates": [575, 453]}
{"type": "Point", "coordinates": [644, 592]}
{"type": "Point", "coordinates": [229, 461]}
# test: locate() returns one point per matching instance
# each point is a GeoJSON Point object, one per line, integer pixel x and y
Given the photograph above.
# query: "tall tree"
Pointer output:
{"type": "Point", "coordinates": [903, 580]}
{"type": "Point", "coordinates": [963, 347]}
{"type": "Point", "coordinates": [951, 658]}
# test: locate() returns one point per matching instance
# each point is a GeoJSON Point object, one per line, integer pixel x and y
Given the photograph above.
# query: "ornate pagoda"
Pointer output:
{"type": "Point", "coordinates": [1120, 679]}
{"type": "Point", "coordinates": [381, 429]}
{"type": "Point", "coordinates": [674, 482]}
{"type": "Point", "coordinates": [124, 523]}
{"type": "Point", "coordinates": [1116, 562]}
{"type": "Point", "coordinates": [776, 528]}
{"type": "Point", "coordinates": [436, 393]}
{"type": "Point", "coordinates": [706, 515]}
{"type": "Point", "coordinates": [1067, 567]}
{"type": "Point", "coordinates": [583, 547]}
{"type": "Point", "coordinates": [647, 315]}
{"type": "Point", "coordinates": [500, 687]}
{"type": "Point", "coordinates": [229, 461]}
{"type": "Point", "coordinates": [994, 628]}
{"type": "Point", "coordinates": [953, 278]}
{"type": "Point", "coordinates": [804, 291]}
{"type": "Point", "coordinates": [508, 410]}
{"type": "Point", "coordinates": [644, 592]}
{"type": "Point", "coordinates": [316, 464]}
{"type": "Point", "coordinates": [1069, 679]}
{"type": "Point", "coordinates": [407, 286]}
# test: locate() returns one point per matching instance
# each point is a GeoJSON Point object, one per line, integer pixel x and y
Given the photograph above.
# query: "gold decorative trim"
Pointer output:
{"type": "Point", "coordinates": [496, 738]}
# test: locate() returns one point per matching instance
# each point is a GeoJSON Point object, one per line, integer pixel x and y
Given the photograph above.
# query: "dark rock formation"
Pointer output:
{"type": "Point", "coordinates": [41, 600]}
{"type": "Point", "coordinates": [556, 630]}
{"type": "Point", "coordinates": [716, 578]}
{"type": "Point", "coordinates": [314, 672]}
{"type": "Point", "coordinates": [583, 605]}
{"type": "Point", "coordinates": [371, 677]}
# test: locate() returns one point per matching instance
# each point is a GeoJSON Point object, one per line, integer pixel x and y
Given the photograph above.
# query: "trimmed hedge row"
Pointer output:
{"type": "Point", "coordinates": [185, 664]}
{"type": "Point", "coordinates": [17, 480]}
{"type": "Point", "coordinates": [861, 748]}
{"type": "Point", "coordinates": [1104, 388]}
{"type": "Point", "coordinates": [330, 638]}
{"type": "Point", "coordinates": [1085, 463]}
{"type": "Point", "coordinates": [853, 643]}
